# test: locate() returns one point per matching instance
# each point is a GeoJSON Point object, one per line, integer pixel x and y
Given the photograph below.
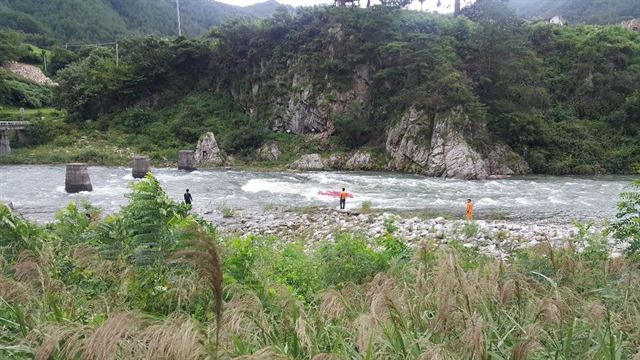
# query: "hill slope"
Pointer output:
{"type": "Point", "coordinates": [378, 89]}
{"type": "Point", "coordinates": [106, 20]}
{"type": "Point", "coordinates": [579, 11]}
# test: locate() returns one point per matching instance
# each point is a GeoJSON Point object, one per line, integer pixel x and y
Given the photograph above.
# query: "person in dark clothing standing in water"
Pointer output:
{"type": "Point", "coordinates": [187, 198]}
{"type": "Point", "coordinates": [343, 199]}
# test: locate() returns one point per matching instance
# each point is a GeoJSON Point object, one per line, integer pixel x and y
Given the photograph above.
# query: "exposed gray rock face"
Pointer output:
{"type": "Point", "coordinates": [361, 160]}
{"type": "Point", "coordinates": [437, 146]}
{"type": "Point", "coordinates": [269, 152]}
{"type": "Point", "coordinates": [308, 111]}
{"type": "Point", "coordinates": [337, 162]}
{"type": "Point", "coordinates": [633, 24]}
{"type": "Point", "coordinates": [207, 152]}
{"type": "Point", "coordinates": [312, 162]}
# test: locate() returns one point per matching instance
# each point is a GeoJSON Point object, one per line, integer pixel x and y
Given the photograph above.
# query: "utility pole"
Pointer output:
{"type": "Point", "coordinates": [178, 12]}
{"type": "Point", "coordinates": [117, 55]}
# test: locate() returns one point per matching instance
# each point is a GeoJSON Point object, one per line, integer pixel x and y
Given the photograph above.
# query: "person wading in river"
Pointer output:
{"type": "Point", "coordinates": [343, 199]}
{"type": "Point", "coordinates": [469, 209]}
{"type": "Point", "coordinates": [188, 198]}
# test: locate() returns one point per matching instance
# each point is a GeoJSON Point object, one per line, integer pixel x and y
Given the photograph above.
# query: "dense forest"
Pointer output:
{"type": "Point", "coordinates": [579, 11]}
{"type": "Point", "coordinates": [70, 21]}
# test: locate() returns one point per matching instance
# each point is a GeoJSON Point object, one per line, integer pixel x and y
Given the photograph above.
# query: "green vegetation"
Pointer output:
{"type": "Point", "coordinates": [366, 206]}
{"type": "Point", "coordinates": [153, 279]}
{"type": "Point", "coordinates": [626, 226]}
{"type": "Point", "coordinates": [226, 211]}
{"type": "Point", "coordinates": [564, 98]}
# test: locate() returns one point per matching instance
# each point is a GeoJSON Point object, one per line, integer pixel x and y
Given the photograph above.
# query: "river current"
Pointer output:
{"type": "Point", "coordinates": [38, 191]}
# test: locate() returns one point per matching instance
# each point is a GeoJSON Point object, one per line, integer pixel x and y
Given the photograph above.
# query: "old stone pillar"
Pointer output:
{"type": "Point", "coordinates": [77, 178]}
{"type": "Point", "coordinates": [140, 167]}
{"type": "Point", "coordinates": [5, 146]}
{"type": "Point", "coordinates": [186, 160]}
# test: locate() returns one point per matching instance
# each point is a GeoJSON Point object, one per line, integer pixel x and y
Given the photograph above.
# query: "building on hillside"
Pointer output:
{"type": "Point", "coordinates": [633, 24]}
{"type": "Point", "coordinates": [558, 20]}
{"type": "Point", "coordinates": [345, 3]}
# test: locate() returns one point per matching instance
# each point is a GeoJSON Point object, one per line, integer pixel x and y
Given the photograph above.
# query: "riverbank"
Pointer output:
{"type": "Point", "coordinates": [498, 238]}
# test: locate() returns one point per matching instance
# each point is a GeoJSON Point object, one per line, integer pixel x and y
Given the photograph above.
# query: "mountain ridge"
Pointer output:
{"type": "Point", "coordinates": [108, 20]}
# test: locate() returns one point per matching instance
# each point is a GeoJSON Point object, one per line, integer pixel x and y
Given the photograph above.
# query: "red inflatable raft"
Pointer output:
{"type": "Point", "coordinates": [334, 194]}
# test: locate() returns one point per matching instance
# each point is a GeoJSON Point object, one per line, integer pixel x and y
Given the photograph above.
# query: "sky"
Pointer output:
{"type": "Point", "coordinates": [447, 5]}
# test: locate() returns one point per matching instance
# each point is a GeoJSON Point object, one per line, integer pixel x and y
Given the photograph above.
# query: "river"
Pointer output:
{"type": "Point", "coordinates": [38, 191]}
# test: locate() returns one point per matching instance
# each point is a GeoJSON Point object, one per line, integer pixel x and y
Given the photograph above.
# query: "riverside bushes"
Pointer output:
{"type": "Point", "coordinates": [155, 281]}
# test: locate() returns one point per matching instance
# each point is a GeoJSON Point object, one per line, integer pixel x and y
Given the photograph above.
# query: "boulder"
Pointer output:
{"type": "Point", "coordinates": [360, 161]}
{"type": "Point", "coordinates": [311, 162]}
{"type": "Point", "coordinates": [207, 152]}
{"type": "Point", "coordinates": [269, 152]}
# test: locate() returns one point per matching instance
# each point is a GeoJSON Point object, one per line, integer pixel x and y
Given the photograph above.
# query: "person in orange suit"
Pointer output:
{"type": "Point", "coordinates": [469, 210]}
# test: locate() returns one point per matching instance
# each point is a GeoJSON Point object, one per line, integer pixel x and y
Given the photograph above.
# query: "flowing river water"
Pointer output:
{"type": "Point", "coordinates": [38, 191]}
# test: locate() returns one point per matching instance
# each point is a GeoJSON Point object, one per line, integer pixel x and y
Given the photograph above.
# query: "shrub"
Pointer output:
{"type": "Point", "coordinates": [365, 208]}
{"type": "Point", "coordinates": [226, 211]}
{"type": "Point", "coordinates": [470, 230]}
{"type": "Point", "coordinates": [626, 226]}
{"type": "Point", "coordinates": [349, 260]}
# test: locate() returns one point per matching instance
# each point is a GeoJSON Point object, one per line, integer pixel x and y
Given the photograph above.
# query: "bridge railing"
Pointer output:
{"type": "Point", "coordinates": [6, 125]}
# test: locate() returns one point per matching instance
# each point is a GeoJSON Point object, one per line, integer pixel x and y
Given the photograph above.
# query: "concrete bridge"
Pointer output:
{"type": "Point", "coordinates": [5, 126]}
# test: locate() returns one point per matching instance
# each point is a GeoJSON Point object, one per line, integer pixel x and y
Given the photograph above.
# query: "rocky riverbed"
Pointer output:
{"type": "Point", "coordinates": [493, 237]}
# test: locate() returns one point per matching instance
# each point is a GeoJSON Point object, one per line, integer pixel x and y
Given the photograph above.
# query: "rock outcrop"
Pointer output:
{"type": "Point", "coordinates": [361, 160]}
{"type": "Point", "coordinates": [207, 152]}
{"type": "Point", "coordinates": [438, 146]}
{"type": "Point", "coordinates": [269, 152]}
{"type": "Point", "coordinates": [30, 73]}
{"type": "Point", "coordinates": [311, 162]}
{"type": "Point", "coordinates": [308, 111]}
{"type": "Point", "coordinates": [633, 24]}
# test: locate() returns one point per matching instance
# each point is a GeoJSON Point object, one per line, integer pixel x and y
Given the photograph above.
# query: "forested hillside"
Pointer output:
{"type": "Point", "coordinates": [400, 84]}
{"type": "Point", "coordinates": [579, 11]}
{"type": "Point", "coordinates": [107, 20]}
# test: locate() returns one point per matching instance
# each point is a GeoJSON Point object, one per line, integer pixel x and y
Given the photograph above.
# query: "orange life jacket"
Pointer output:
{"type": "Point", "coordinates": [344, 195]}
{"type": "Point", "coordinates": [469, 208]}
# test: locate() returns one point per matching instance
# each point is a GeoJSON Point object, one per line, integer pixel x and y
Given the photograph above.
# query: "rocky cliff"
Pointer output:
{"type": "Point", "coordinates": [438, 146]}
{"type": "Point", "coordinates": [439, 143]}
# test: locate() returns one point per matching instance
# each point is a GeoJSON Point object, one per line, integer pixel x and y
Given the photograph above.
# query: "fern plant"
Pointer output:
{"type": "Point", "coordinates": [152, 222]}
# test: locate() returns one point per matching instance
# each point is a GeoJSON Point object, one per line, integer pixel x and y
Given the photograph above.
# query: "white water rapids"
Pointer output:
{"type": "Point", "coordinates": [38, 191]}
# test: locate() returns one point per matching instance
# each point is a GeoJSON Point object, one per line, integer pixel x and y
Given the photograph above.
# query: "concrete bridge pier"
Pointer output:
{"type": "Point", "coordinates": [141, 166]}
{"type": "Point", "coordinates": [77, 178]}
{"type": "Point", "coordinates": [186, 160]}
{"type": "Point", "coordinates": [5, 146]}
